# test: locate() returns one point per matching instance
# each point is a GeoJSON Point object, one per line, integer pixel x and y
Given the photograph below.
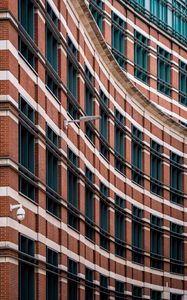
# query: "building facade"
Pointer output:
{"type": "Point", "coordinates": [104, 200]}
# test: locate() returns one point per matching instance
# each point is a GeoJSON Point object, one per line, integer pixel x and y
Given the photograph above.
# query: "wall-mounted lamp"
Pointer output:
{"type": "Point", "coordinates": [82, 119]}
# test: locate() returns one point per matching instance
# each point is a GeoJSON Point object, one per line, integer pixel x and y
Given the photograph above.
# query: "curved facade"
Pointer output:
{"type": "Point", "coordinates": [105, 200]}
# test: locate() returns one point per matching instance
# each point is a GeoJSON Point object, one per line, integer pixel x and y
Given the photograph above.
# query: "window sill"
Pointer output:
{"type": "Point", "coordinates": [27, 63]}
{"type": "Point", "coordinates": [26, 197]}
{"type": "Point", "coordinates": [54, 216]}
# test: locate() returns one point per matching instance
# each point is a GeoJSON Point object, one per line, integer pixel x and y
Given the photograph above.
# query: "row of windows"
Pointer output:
{"type": "Point", "coordinates": [27, 132]}
{"type": "Point", "coordinates": [27, 265]}
{"type": "Point", "coordinates": [53, 200]}
{"type": "Point", "coordinates": [169, 15]}
{"type": "Point", "coordinates": [141, 59]}
{"type": "Point", "coordinates": [53, 205]}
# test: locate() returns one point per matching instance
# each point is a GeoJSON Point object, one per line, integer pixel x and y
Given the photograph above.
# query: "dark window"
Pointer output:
{"type": "Point", "coordinates": [119, 142]}
{"type": "Point", "coordinates": [72, 79]}
{"type": "Point", "coordinates": [89, 111]}
{"type": "Point", "coordinates": [51, 49]}
{"type": "Point", "coordinates": [89, 212]}
{"type": "Point", "coordinates": [52, 170]}
{"type": "Point", "coordinates": [119, 290]}
{"type": "Point", "coordinates": [51, 84]}
{"type": "Point", "coordinates": [26, 269]}
{"type": "Point", "coordinates": [104, 146]}
{"type": "Point", "coordinates": [136, 292]}
{"type": "Point", "coordinates": [175, 297]}
{"type": "Point", "coordinates": [156, 168]}
{"type": "Point", "coordinates": [26, 150]}
{"type": "Point", "coordinates": [73, 213]}
{"type": "Point", "coordinates": [103, 217]}
{"type": "Point", "coordinates": [96, 8]}
{"type": "Point", "coordinates": [156, 295]}
{"type": "Point", "coordinates": [183, 83]}
{"type": "Point", "coordinates": [118, 40]}
{"type": "Point", "coordinates": [141, 57]}
{"type": "Point", "coordinates": [52, 14]}
{"type": "Point", "coordinates": [137, 235]}
{"type": "Point", "coordinates": [72, 84]}
{"type": "Point", "coordinates": [119, 226]}
{"type": "Point", "coordinates": [72, 280]}
{"type": "Point", "coordinates": [52, 136]}
{"type": "Point", "coordinates": [103, 287]}
{"type": "Point", "coordinates": [27, 53]}
{"type": "Point", "coordinates": [163, 71]}
{"type": "Point", "coordinates": [137, 156]}
{"type": "Point", "coordinates": [51, 275]}
{"type": "Point", "coordinates": [176, 178]}
{"type": "Point", "coordinates": [156, 242]}
{"type": "Point", "coordinates": [52, 199]}
{"type": "Point", "coordinates": [89, 289]}
{"type": "Point", "coordinates": [26, 16]}
{"type": "Point", "coordinates": [176, 248]}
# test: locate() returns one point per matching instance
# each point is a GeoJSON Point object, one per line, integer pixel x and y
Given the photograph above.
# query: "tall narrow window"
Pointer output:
{"type": "Point", "coordinates": [156, 242]}
{"type": "Point", "coordinates": [104, 243]}
{"type": "Point", "coordinates": [163, 71]}
{"type": "Point", "coordinates": [96, 8]}
{"type": "Point", "coordinates": [137, 235]}
{"type": "Point", "coordinates": [26, 268]}
{"type": "Point", "coordinates": [51, 14]}
{"type": "Point", "coordinates": [156, 168]}
{"type": "Point", "coordinates": [119, 226]}
{"type": "Point", "coordinates": [159, 10]}
{"type": "Point", "coordinates": [119, 290]}
{"type": "Point", "coordinates": [72, 84]}
{"type": "Point", "coordinates": [104, 146]}
{"type": "Point", "coordinates": [136, 292]}
{"type": "Point", "coordinates": [51, 274]}
{"type": "Point", "coordinates": [183, 83]}
{"type": "Point", "coordinates": [137, 156]}
{"type": "Point", "coordinates": [156, 295]}
{"type": "Point", "coordinates": [89, 108]}
{"type": "Point", "coordinates": [176, 248]}
{"type": "Point", "coordinates": [26, 16]}
{"type": "Point", "coordinates": [89, 290]}
{"type": "Point", "coordinates": [176, 178]}
{"type": "Point", "coordinates": [26, 150]}
{"type": "Point", "coordinates": [119, 145]}
{"type": "Point", "coordinates": [52, 174]}
{"type": "Point", "coordinates": [27, 52]}
{"type": "Point", "coordinates": [175, 297]}
{"type": "Point", "coordinates": [179, 22]}
{"type": "Point", "coordinates": [103, 287]}
{"type": "Point", "coordinates": [118, 41]}
{"type": "Point", "coordinates": [89, 205]}
{"type": "Point", "coordinates": [73, 212]}
{"type": "Point", "coordinates": [72, 279]}
{"type": "Point", "coordinates": [141, 57]}
{"type": "Point", "coordinates": [51, 48]}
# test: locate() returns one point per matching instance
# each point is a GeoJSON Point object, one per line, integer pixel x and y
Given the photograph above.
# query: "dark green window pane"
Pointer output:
{"type": "Point", "coordinates": [141, 57]}
{"type": "Point", "coordinates": [26, 16]}
{"type": "Point", "coordinates": [51, 49]}
{"type": "Point", "coordinates": [52, 171]}
{"type": "Point", "coordinates": [163, 71]}
{"type": "Point", "coordinates": [118, 40]}
{"type": "Point", "coordinates": [96, 8]}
